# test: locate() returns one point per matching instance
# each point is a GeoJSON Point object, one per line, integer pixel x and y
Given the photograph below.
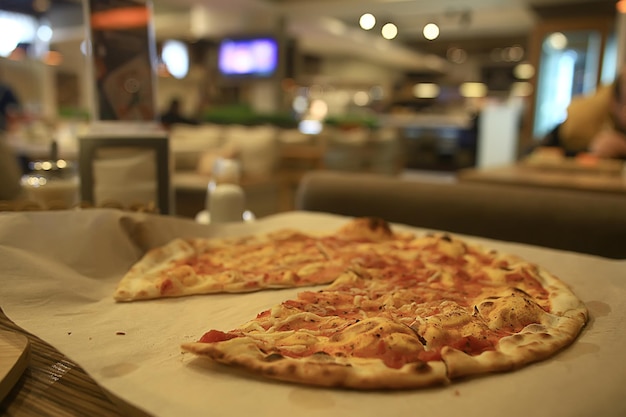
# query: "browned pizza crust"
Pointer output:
{"type": "Point", "coordinates": [320, 368]}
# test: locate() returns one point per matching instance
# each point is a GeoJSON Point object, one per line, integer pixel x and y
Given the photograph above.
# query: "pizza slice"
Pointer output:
{"type": "Point", "coordinates": [281, 259]}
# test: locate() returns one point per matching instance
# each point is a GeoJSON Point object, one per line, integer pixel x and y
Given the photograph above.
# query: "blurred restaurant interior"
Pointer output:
{"type": "Point", "coordinates": [421, 90]}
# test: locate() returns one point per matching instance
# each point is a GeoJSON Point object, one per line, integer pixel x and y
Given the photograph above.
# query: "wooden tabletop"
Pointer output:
{"type": "Point", "coordinates": [53, 385]}
{"type": "Point", "coordinates": [567, 178]}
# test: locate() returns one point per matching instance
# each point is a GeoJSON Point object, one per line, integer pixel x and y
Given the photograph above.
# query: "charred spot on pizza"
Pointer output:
{"type": "Point", "coordinates": [273, 357]}
{"type": "Point", "coordinates": [518, 291]}
{"type": "Point", "coordinates": [376, 223]}
{"type": "Point", "coordinates": [337, 337]}
{"type": "Point", "coordinates": [421, 338]}
{"type": "Point", "coordinates": [446, 237]}
{"type": "Point", "coordinates": [422, 367]}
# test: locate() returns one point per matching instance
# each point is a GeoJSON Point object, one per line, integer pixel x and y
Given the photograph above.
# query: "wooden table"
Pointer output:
{"type": "Point", "coordinates": [566, 177]}
{"type": "Point", "coordinates": [53, 385]}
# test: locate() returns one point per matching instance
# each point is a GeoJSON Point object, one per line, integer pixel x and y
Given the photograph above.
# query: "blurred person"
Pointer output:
{"type": "Point", "coordinates": [9, 106]}
{"type": "Point", "coordinates": [10, 171]}
{"type": "Point", "coordinates": [595, 124]}
{"type": "Point", "coordinates": [173, 115]}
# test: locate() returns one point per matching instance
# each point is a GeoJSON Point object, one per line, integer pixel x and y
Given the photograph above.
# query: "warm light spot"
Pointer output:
{"type": "Point", "coordinates": [122, 18]}
{"type": "Point", "coordinates": [524, 71]}
{"type": "Point", "coordinates": [318, 109]}
{"type": "Point", "coordinates": [473, 90]}
{"type": "Point", "coordinates": [431, 31]}
{"type": "Point", "coordinates": [426, 90]}
{"type": "Point", "coordinates": [361, 98]}
{"type": "Point", "coordinates": [53, 58]}
{"type": "Point", "coordinates": [521, 89]}
{"type": "Point", "coordinates": [389, 31]}
{"type": "Point", "coordinates": [557, 41]}
{"type": "Point", "coordinates": [367, 21]}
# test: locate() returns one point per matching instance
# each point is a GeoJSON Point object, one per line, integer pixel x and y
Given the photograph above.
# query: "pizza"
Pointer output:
{"type": "Point", "coordinates": [384, 309]}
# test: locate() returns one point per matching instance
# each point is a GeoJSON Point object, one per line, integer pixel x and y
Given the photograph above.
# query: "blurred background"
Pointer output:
{"type": "Point", "coordinates": [392, 86]}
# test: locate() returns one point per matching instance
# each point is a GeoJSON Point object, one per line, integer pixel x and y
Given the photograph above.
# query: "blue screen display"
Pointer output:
{"type": "Point", "coordinates": [256, 57]}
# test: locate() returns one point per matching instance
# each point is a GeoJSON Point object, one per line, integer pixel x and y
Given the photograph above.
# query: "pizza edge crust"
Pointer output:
{"type": "Point", "coordinates": [321, 369]}
{"type": "Point", "coordinates": [136, 284]}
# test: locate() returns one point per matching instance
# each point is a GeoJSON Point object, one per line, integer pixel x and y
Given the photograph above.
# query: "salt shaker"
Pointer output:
{"type": "Point", "coordinates": [225, 171]}
{"type": "Point", "coordinates": [227, 203]}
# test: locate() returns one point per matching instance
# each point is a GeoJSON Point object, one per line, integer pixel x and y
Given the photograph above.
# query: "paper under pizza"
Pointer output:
{"type": "Point", "coordinates": [390, 310]}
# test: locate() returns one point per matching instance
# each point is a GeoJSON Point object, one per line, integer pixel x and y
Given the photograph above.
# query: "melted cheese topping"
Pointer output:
{"type": "Point", "coordinates": [404, 302]}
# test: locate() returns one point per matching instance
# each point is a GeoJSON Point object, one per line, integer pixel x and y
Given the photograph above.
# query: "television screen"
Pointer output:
{"type": "Point", "coordinates": [254, 57]}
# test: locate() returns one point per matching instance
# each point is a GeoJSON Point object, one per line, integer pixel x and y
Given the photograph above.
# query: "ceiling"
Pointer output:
{"type": "Point", "coordinates": [330, 27]}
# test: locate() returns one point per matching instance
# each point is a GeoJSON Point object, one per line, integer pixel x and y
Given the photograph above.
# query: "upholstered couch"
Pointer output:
{"type": "Point", "coordinates": [586, 222]}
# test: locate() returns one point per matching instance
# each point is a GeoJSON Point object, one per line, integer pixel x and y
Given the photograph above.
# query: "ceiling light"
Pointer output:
{"type": "Point", "coordinates": [557, 41]}
{"type": "Point", "coordinates": [426, 90]}
{"type": "Point", "coordinates": [524, 71]}
{"type": "Point", "coordinates": [367, 21]}
{"type": "Point", "coordinates": [473, 90]}
{"type": "Point", "coordinates": [176, 57]}
{"type": "Point", "coordinates": [389, 31]}
{"type": "Point", "coordinates": [431, 31]}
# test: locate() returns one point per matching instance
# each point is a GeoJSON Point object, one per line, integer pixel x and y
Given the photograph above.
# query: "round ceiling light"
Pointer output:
{"type": "Point", "coordinates": [389, 31]}
{"type": "Point", "coordinates": [176, 58]}
{"type": "Point", "coordinates": [367, 21]}
{"type": "Point", "coordinates": [431, 31]}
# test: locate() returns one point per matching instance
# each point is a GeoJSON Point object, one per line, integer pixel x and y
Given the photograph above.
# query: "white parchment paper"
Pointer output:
{"type": "Point", "coordinates": [58, 271]}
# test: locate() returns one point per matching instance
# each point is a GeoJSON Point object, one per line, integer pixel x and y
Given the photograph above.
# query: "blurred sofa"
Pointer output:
{"type": "Point", "coordinates": [586, 222]}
